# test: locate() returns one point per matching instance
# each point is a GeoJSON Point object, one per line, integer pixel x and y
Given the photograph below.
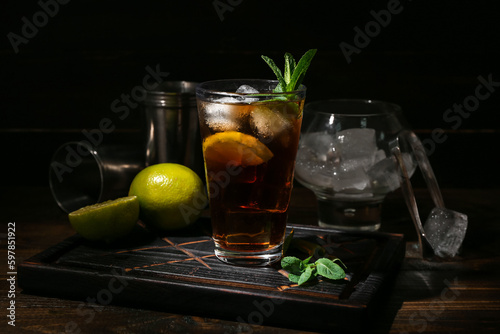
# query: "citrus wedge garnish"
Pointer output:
{"type": "Point", "coordinates": [106, 221]}
{"type": "Point", "coordinates": [235, 147]}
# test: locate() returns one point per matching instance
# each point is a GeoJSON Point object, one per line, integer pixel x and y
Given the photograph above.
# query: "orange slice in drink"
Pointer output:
{"type": "Point", "coordinates": [238, 148]}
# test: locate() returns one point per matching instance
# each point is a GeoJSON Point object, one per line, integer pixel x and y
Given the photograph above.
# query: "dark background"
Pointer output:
{"type": "Point", "coordinates": [428, 58]}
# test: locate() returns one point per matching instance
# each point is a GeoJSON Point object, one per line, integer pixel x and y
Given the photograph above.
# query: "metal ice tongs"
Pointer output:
{"type": "Point", "coordinates": [437, 236]}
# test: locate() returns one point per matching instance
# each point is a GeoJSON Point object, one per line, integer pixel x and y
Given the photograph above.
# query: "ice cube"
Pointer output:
{"type": "Point", "coordinates": [319, 163]}
{"type": "Point", "coordinates": [317, 159]}
{"type": "Point", "coordinates": [323, 146]}
{"type": "Point", "coordinates": [311, 171]}
{"type": "Point", "coordinates": [384, 174]}
{"type": "Point", "coordinates": [246, 89]}
{"type": "Point", "coordinates": [268, 124]}
{"type": "Point", "coordinates": [357, 147]}
{"type": "Point", "coordinates": [355, 180]}
{"type": "Point", "coordinates": [445, 230]}
{"type": "Point", "coordinates": [228, 99]}
{"type": "Point", "coordinates": [357, 142]}
{"type": "Point", "coordinates": [379, 155]}
{"type": "Point", "coordinates": [354, 164]}
{"type": "Point", "coordinates": [320, 176]}
{"type": "Point", "coordinates": [222, 116]}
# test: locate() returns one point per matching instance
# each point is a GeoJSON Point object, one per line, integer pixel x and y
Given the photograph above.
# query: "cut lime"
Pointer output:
{"type": "Point", "coordinates": [107, 221]}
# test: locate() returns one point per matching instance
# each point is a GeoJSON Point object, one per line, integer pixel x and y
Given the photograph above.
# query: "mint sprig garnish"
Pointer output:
{"type": "Point", "coordinates": [301, 271]}
{"type": "Point", "coordinates": [293, 73]}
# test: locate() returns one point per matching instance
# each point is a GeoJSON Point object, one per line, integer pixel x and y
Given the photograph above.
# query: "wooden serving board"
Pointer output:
{"type": "Point", "coordinates": [180, 274]}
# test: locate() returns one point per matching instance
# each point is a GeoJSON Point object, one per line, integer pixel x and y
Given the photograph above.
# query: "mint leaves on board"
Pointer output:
{"type": "Point", "coordinates": [301, 271]}
{"type": "Point", "coordinates": [293, 73]}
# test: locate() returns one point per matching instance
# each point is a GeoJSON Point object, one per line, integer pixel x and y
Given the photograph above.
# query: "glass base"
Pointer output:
{"type": "Point", "coordinates": [349, 215]}
{"type": "Point", "coordinates": [255, 259]}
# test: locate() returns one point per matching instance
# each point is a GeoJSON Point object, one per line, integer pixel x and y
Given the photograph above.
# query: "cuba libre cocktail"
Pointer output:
{"type": "Point", "coordinates": [250, 139]}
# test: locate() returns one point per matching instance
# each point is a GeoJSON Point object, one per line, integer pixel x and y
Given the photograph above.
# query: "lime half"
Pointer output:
{"type": "Point", "coordinates": [106, 221]}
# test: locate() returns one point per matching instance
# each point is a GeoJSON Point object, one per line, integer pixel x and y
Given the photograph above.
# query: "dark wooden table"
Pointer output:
{"type": "Point", "coordinates": [462, 295]}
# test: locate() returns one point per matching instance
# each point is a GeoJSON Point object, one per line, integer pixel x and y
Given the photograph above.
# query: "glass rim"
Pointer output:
{"type": "Point", "coordinates": [200, 88]}
{"type": "Point", "coordinates": [390, 107]}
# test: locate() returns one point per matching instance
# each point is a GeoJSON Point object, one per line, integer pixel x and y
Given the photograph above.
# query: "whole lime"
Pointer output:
{"type": "Point", "coordinates": [171, 196]}
{"type": "Point", "coordinates": [106, 221]}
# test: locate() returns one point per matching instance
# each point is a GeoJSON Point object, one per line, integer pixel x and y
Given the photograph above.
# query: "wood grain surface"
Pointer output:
{"type": "Point", "coordinates": [459, 296]}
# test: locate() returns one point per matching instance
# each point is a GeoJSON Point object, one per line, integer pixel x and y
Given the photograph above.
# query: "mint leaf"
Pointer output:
{"type": "Point", "coordinates": [278, 89]}
{"type": "Point", "coordinates": [329, 269]}
{"type": "Point", "coordinates": [337, 259]}
{"type": "Point", "coordinates": [300, 70]}
{"type": "Point", "coordinates": [293, 278]}
{"type": "Point", "coordinates": [293, 64]}
{"type": "Point", "coordinates": [289, 67]}
{"type": "Point", "coordinates": [276, 71]}
{"type": "Point", "coordinates": [306, 275]}
{"type": "Point", "coordinates": [292, 265]}
{"type": "Point", "coordinates": [299, 271]}
{"type": "Point", "coordinates": [306, 261]}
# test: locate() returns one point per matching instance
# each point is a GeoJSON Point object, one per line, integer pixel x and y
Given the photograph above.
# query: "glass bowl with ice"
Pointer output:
{"type": "Point", "coordinates": [345, 158]}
